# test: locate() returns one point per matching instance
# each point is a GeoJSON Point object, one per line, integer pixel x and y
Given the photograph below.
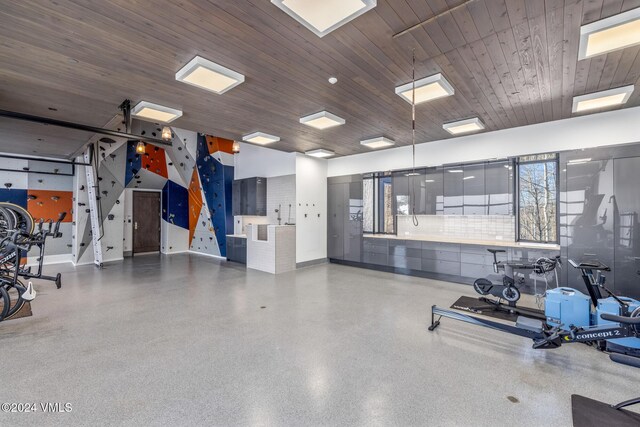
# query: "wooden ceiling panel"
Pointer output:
{"type": "Point", "coordinates": [511, 62]}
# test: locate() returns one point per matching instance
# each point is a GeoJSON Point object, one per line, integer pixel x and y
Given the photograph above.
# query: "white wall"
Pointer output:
{"type": "Point", "coordinates": [264, 162]}
{"type": "Point", "coordinates": [610, 128]}
{"type": "Point", "coordinates": [311, 209]}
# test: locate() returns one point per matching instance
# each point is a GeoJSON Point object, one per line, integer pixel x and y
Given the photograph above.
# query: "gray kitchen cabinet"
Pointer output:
{"type": "Point", "coordinates": [249, 196]}
{"type": "Point", "coordinates": [237, 249]}
{"type": "Point", "coordinates": [345, 218]}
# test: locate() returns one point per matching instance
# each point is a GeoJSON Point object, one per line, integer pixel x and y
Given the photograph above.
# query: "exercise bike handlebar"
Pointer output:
{"type": "Point", "coordinates": [621, 319]}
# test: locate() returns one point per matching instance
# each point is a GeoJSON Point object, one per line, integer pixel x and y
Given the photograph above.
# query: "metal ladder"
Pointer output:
{"type": "Point", "coordinates": [94, 208]}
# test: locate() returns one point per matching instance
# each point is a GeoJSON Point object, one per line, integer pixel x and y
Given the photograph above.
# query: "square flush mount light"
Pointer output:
{"type": "Point", "coordinates": [322, 120]}
{"type": "Point", "coordinates": [464, 126]}
{"type": "Point", "coordinates": [609, 34]}
{"type": "Point", "coordinates": [208, 75]}
{"type": "Point", "coordinates": [427, 89]}
{"type": "Point", "coordinates": [606, 98]}
{"type": "Point", "coordinates": [379, 142]}
{"type": "Point", "coordinates": [260, 138]}
{"type": "Point", "coordinates": [322, 17]}
{"type": "Point", "coordinates": [155, 113]}
{"type": "Point", "coordinates": [320, 152]}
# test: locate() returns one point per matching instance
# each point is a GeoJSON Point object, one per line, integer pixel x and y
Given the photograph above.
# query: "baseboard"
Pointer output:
{"type": "Point", "coordinates": [175, 252]}
{"type": "Point", "coordinates": [318, 261]}
{"type": "Point", "coordinates": [208, 255]}
{"type": "Point", "coordinates": [127, 254]}
{"type": "Point", "coordinates": [51, 259]}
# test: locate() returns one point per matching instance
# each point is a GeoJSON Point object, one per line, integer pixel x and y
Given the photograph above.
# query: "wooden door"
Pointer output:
{"type": "Point", "coordinates": [146, 221]}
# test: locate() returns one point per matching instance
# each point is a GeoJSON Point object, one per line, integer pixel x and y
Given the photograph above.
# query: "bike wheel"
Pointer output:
{"type": "Point", "coordinates": [16, 302]}
{"type": "Point", "coordinates": [482, 286]}
{"type": "Point", "coordinates": [5, 303]}
{"type": "Point", "coordinates": [511, 294]}
{"type": "Point", "coordinates": [24, 220]}
{"type": "Point", "coordinates": [7, 219]}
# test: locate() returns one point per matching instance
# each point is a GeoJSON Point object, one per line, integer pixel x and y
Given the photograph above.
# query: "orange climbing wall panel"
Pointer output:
{"type": "Point", "coordinates": [154, 160]}
{"type": "Point", "coordinates": [219, 144]}
{"type": "Point", "coordinates": [41, 204]}
{"type": "Point", "coordinates": [195, 203]}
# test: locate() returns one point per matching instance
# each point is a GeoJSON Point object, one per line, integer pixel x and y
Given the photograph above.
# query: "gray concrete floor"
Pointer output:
{"type": "Point", "coordinates": [184, 340]}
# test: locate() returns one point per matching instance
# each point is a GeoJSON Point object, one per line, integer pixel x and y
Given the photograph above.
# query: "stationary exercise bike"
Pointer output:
{"type": "Point", "coordinates": [509, 289]}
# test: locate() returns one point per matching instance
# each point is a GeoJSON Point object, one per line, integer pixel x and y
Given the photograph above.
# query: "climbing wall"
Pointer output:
{"type": "Point", "coordinates": [214, 165]}
{"type": "Point", "coordinates": [194, 174]}
{"type": "Point", "coordinates": [45, 190]}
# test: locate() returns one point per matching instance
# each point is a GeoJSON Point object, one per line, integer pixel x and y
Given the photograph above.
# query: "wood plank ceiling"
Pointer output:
{"type": "Point", "coordinates": [512, 63]}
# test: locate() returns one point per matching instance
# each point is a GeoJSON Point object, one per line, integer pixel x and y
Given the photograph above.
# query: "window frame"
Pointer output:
{"type": "Point", "coordinates": [516, 193]}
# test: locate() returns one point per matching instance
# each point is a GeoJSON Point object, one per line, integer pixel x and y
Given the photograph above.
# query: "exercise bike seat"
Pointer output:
{"type": "Point", "coordinates": [496, 251]}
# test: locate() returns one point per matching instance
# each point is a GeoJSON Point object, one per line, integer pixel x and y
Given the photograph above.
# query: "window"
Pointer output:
{"type": "Point", "coordinates": [538, 198]}
{"type": "Point", "coordinates": [377, 209]}
{"type": "Point", "coordinates": [367, 205]}
{"type": "Point", "coordinates": [386, 217]}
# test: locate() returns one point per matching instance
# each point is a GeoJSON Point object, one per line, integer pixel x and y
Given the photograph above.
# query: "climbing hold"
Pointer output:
{"type": "Point", "coordinates": [8, 185]}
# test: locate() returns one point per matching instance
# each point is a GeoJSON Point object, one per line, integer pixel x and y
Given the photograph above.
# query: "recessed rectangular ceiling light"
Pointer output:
{"type": "Point", "coordinates": [455, 171]}
{"type": "Point", "coordinates": [322, 17]}
{"type": "Point", "coordinates": [609, 34]}
{"type": "Point", "coordinates": [320, 152]}
{"type": "Point", "coordinates": [464, 126]}
{"type": "Point", "coordinates": [606, 98]}
{"type": "Point", "coordinates": [260, 138]}
{"type": "Point", "coordinates": [427, 89]}
{"type": "Point", "coordinates": [155, 113]}
{"type": "Point", "coordinates": [379, 142]}
{"type": "Point", "coordinates": [208, 75]}
{"type": "Point", "coordinates": [322, 120]}
{"type": "Point", "coordinates": [468, 177]}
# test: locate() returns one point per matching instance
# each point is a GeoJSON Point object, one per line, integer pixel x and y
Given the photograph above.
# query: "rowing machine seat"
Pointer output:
{"type": "Point", "coordinates": [533, 325]}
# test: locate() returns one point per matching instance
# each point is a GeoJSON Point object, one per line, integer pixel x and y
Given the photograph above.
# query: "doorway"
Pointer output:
{"type": "Point", "coordinates": [146, 222]}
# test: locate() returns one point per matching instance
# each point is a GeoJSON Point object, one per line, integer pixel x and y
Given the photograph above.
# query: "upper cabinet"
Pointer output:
{"type": "Point", "coordinates": [250, 196]}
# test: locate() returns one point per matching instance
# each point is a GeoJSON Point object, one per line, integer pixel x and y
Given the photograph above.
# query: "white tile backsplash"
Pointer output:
{"type": "Point", "coordinates": [472, 227]}
{"type": "Point", "coordinates": [240, 222]}
{"type": "Point", "coordinates": [281, 192]}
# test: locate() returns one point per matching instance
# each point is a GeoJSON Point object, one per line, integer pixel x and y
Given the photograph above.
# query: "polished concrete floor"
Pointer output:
{"type": "Point", "coordinates": [188, 340]}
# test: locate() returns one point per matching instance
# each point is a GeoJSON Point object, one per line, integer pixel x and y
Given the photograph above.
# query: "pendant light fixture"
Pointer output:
{"type": "Point", "coordinates": [141, 148]}
{"type": "Point", "coordinates": [235, 148]}
{"type": "Point", "coordinates": [167, 135]}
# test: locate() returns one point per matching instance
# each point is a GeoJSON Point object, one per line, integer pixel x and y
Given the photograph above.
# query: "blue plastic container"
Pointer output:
{"type": "Point", "coordinates": [611, 306]}
{"type": "Point", "coordinates": [567, 307]}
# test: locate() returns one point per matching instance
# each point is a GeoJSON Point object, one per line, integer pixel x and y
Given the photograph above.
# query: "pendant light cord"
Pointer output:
{"type": "Point", "coordinates": [413, 137]}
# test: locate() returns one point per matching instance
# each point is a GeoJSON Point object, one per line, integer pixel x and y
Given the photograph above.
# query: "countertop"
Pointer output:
{"type": "Point", "coordinates": [441, 239]}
